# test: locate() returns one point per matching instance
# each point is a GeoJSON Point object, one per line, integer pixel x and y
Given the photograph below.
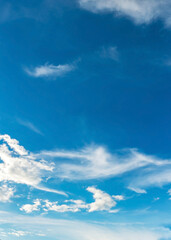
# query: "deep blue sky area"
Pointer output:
{"type": "Point", "coordinates": [82, 84]}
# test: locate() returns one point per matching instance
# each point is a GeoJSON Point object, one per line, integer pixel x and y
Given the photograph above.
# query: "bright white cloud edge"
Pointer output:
{"type": "Point", "coordinates": [102, 202]}
{"type": "Point", "coordinates": [50, 70]}
{"type": "Point", "coordinates": [140, 11]}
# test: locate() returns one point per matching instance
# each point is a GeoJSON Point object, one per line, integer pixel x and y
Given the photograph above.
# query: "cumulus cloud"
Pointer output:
{"type": "Point", "coordinates": [75, 206]}
{"type": "Point", "coordinates": [118, 197]}
{"type": "Point", "coordinates": [50, 70]}
{"type": "Point", "coordinates": [102, 202]}
{"type": "Point", "coordinates": [19, 166]}
{"type": "Point", "coordinates": [28, 208]}
{"type": "Point", "coordinates": [140, 11]}
{"type": "Point", "coordinates": [6, 193]}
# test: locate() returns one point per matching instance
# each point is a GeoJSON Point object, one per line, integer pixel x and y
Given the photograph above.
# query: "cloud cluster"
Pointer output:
{"type": "Point", "coordinates": [50, 70]}
{"type": "Point", "coordinates": [102, 202]}
{"type": "Point", "coordinates": [19, 166]}
{"type": "Point", "coordinates": [140, 11]}
{"type": "Point", "coordinates": [28, 208]}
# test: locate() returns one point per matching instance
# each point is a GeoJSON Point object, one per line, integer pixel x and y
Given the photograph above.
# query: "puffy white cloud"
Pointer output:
{"type": "Point", "coordinates": [118, 197]}
{"type": "Point", "coordinates": [13, 144]}
{"type": "Point", "coordinates": [6, 193]}
{"type": "Point", "coordinates": [49, 70]}
{"type": "Point", "coordinates": [140, 11]}
{"type": "Point", "coordinates": [28, 208]}
{"type": "Point", "coordinates": [19, 166]}
{"type": "Point", "coordinates": [103, 202]}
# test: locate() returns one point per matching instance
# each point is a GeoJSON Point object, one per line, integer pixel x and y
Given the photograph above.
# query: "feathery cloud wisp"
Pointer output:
{"type": "Point", "coordinates": [29, 125]}
{"type": "Point", "coordinates": [6, 193]}
{"type": "Point", "coordinates": [96, 162]}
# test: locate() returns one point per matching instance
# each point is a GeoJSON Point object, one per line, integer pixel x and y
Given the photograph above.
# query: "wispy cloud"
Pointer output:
{"type": "Point", "coordinates": [96, 162]}
{"type": "Point", "coordinates": [6, 193]}
{"type": "Point", "coordinates": [110, 53]}
{"type": "Point", "coordinates": [154, 177]}
{"type": "Point", "coordinates": [29, 125]}
{"type": "Point", "coordinates": [50, 70]}
{"type": "Point", "coordinates": [56, 229]}
{"type": "Point", "coordinates": [144, 11]}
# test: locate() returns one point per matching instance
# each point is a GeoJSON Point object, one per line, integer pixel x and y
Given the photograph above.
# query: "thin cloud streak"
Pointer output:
{"type": "Point", "coordinates": [29, 125]}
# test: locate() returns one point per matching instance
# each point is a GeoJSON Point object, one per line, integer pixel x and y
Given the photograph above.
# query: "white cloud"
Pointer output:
{"type": "Point", "coordinates": [96, 162]}
{"type": "Point", "coordinates": [118, 197]}
{"type": "Point", "coordinates": [137, 190]}
{"type": "Point", "coordinates": [154, 177]}
{"type": "Point", "coordinates": [49, 70]}
{"type": "Point", "coordinates": [169, 192]}
{"type": "Point", "coordinates": [13, 144]}
{"type": "Point", "coordinates": [103, 202]}
{"type": "Point", "coordinates": [19, 166]}
{"type": "Point", "coordinates": [140, 11]}
{"type": "Point", "coordinates": [18, 233]}
{"type": "Point", "coordinates": [74, 207]}
{"type": "Point", "coordinates": [6, 193]}
{"type": "Point", "coordinates": [66, 229]}
{"type": "Point", "coordinates": [29, 125]}
{"type": "Point", "coordinates": [28, 208]}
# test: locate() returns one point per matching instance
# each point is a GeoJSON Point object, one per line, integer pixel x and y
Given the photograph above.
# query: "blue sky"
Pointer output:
{"type": "Point", "coordinates": [85, 119]}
